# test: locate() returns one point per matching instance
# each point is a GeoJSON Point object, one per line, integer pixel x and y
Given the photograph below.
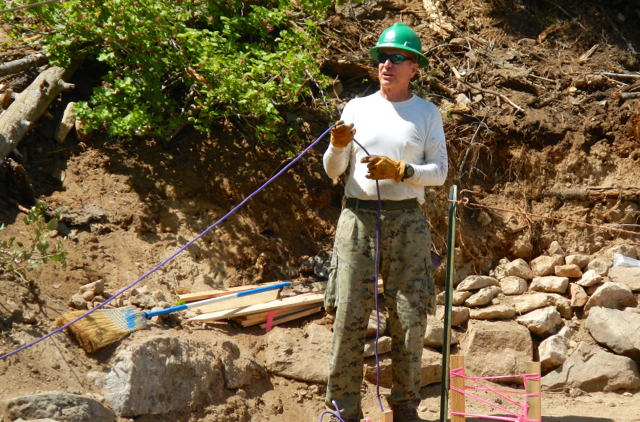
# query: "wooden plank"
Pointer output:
{"type": "Point", "coordinates": [253, 319]}
{"type": "Point", "coordinates": [457, 399]}
{"type": "Point", "coordinates": [304, 299]}
{"type": "Point", "coordinates": [293, 316]}
{"type": "Point", "coordinates": [533, 387]}
{"type": "Point", "coordinates": [192, 297]}
{"type": "Point", "coordinates": [387, 416]}
{"type": "Point", "coordinates": [239, 302]}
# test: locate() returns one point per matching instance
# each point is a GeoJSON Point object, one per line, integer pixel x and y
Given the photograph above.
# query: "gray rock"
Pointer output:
{"type": "Point", "coordinates": [562, 304]}
{"type": "Point", "coordinates": [143, 301]}
{"type": "Point", "coordinates": [526, 303]}
{"type": "Point", "coordinates": [373, 324]}
{"type": "Point", "coordinates": [545, 265]}
{"type": "Point", "coordinates": [430, 369]}
{"type": "Point", "coordinates": [629, 276]}
{"type": "Point", "coordinates": [578, 296]}
{"type": "Point", "coordinates": [384, 346]}
{"type": "Point", "coordinates": [556, 249]}
{"type": "Point", "coordinates": [497, 347]}
{"type": "Point", "coordinates": [553, 350]}
{"type": "Point", "coordinates": [311, 350]}
{"type": "Point", "coordinates": [57, 405]}
{"type": "Point", "coordinates": [513, 285]}
{"type": "Point", "coordinates": [518, 268]}
{"type": "Point", "coordinates": [600, 265]}
{"type": "Point", "coordinates": [239, 367]}
{"type": "Point", "coordinates": [550, 284]}
{"type": "Point", "coordinates": [475, 282]}
{"type": "Point", "coordinates": [160, 375]}
{"type": "Point", "coordinates": [77, 302]}
{"type": "Point", "coordinates": [580, 260]}
{"type": "Point", "coordinates": [434, 335]}
{"type": "Point", "coordinates": [610, 295]}
{"type": "Point", "coordinates": [460, 297]}
{"type": "Point", "coordinates": [493, 312]}
{"type": "Point", "coordinates": [543, 322]}
{"type": "Point", "coordinates": [591, 369]}
{"type": "Point", "coordinates": [590, 278]}
{"type": "Point", "coordinates": [482, 297]}
{"type": "Point", "coordinates": [459, 315]}
{"type": "Point", "coordinates": [569, 270]}
{"type": "Point", "coordinates": [616, 329]}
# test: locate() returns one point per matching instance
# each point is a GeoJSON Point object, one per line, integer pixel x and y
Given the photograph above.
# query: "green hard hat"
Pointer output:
{"type": "Point", "coordinates": [402, 37]}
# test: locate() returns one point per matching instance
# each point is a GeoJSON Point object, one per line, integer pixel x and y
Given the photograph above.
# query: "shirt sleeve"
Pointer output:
{"type": "Point", "coordinates": [336, 160]}
{"type": "Point", "coordinates": [433, 172]}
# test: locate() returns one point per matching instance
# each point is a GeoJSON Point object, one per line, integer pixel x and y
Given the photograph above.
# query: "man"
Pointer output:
{"type": "Point", "coordinates": [405, 136]}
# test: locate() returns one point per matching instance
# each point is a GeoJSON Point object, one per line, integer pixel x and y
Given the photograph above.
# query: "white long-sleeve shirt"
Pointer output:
{"type": "Point", "coordinates": [408, 130]}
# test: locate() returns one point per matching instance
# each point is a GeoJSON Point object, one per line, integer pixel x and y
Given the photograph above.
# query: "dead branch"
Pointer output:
{"type": "Point", "coordinates": [497, 94]}
{"type": "Point", "coordinates": [589, 193]}
{"type": "Point", "coordinates": [23, 64]}
{"type": "Point", "coordinates": [16, 121]}
{"type": "Point", "coordinates": [626, 95]}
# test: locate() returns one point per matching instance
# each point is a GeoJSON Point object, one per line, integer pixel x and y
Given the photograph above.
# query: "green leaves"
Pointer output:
{"type": "Point", "coordinates": [202, 61]}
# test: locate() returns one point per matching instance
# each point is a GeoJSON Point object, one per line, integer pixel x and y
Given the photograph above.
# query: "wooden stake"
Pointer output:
{"type": "Point", "coordinates": [387, 416]}
{"type": "Point", "coordinates": [533, 386]}
{"type": "Point", "coordinates": [457, 399]}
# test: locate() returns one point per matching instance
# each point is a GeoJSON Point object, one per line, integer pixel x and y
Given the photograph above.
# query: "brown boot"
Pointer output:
{"type": "Point", "coordinates": [406, 415]}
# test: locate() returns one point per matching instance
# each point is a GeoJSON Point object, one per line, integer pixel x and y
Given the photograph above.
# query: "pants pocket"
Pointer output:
{"type": "Point", "coordinates": [331, 291]}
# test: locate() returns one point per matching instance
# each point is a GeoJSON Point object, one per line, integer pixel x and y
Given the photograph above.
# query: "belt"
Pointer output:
{"type": "Point", "coordinates": [386, 205]}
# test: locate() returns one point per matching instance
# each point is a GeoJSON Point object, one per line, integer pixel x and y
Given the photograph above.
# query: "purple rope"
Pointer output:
{"type": "Point", "coordinates": [284, 169]}
{"type": "Point", "coordinates": [375, 283]}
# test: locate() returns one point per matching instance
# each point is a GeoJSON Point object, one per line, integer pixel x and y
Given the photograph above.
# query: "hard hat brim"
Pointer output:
{"type": "Point", "coordinates": [422, 60]}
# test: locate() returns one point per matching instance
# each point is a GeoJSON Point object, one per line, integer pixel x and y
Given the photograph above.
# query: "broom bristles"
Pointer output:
{"type": "Point", "coordinates": [103, 327]}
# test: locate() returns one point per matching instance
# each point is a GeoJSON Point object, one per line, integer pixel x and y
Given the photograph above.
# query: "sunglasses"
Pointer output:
{"type": "Point", "coordinates": [395, 58]}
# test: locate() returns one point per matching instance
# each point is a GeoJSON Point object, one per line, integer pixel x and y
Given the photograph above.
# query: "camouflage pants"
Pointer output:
{"type": "Point", "coordinates": [406, 269]}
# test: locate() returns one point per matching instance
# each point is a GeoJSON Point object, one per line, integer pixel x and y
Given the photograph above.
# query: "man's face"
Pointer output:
{"type": "Point", "coordinates": [396, 75]}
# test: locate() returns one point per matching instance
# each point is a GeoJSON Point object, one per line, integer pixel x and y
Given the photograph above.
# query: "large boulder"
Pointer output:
{"type": "Point", "coordinates": [493, 312]}
{"type": "Point", "coordinates": [310, 348]}
{"type": "Point", "coordinates": [513, 285]}
{"type": "Point", "coordinates": [526, 303]}
{"type": "Point", "coordinates": [373, 324]}
{"type": "Point", "coordinates": [591, 369]}
{"type": "Point", "coordinates": [161, 375]}
{"type": "Point", "coordinates": [459, 315]}
{"type": "Point", "coordinates": [569, 270]}
{"type": "Point", "coordinates": [543, 322]}
{"type": "Point", "coordinates": [434, 334]}
{"type": "Point", "coordinates": [581, 260]}
{"type": "Point", "coordinates": [600, 265]}
{"type": "Point", "coordinates": [430, 369]}
{"type": "Point", "coordinates": [240, 368]}
{"type": "Point", "coordinates": [618, 330]}
{"type": "Point", "coordinates": [590, 278]}
{"type": "Point", "coordinates": [629, 276]}
{"type": "Point", "coordinates": [546, 265]}
{"type": "Point", "coordinates": [553, 350]}
{"type": "Point", "coordinates": [519, 268]}
{"type": "Point", "coordinates": [57, 405]}
{"type": "Point", "coordinates": [610, 295]}
{"type": "Point", "coordinates": [550, 284]}
{"type": "Point", "coordinates": [482, 297]}
{"type": "Point", "coordinates": [475, 282]}
{"type": "Point", "coordinates": [496, 347]}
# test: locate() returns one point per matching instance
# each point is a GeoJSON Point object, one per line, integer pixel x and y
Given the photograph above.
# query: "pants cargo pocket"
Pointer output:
{"type": "Point", "coordinates": [331, 291]}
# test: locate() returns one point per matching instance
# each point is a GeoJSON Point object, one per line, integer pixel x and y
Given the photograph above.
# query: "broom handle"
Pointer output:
{"type": "Point", "coordinates": [166, 311]}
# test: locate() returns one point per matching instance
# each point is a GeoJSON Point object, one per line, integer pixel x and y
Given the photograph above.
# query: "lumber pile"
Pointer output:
{"type": "Point", "coordinates": [264, 309]}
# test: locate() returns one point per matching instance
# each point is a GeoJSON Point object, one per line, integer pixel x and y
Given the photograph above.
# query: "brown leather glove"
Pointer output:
{"type": "Point", "coordinates": [342, 134]}
{"type": "Point", "coordinates": [384, 168]}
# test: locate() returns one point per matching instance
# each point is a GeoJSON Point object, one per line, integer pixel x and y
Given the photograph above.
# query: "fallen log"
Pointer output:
{"type": "Point", "coordinates": [16, 121]}
{"type": "Point", "coordinates": [23, 64]}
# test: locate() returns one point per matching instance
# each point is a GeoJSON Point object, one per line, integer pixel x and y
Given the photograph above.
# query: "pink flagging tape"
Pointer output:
{"type": "Point", "coordinates": [524, 409]}
{"type": "Point", "coordinates": [269, 320]}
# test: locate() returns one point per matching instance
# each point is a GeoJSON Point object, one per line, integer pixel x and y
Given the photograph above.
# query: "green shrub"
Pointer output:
{"type": "Point", "coordinates": [187, 60]}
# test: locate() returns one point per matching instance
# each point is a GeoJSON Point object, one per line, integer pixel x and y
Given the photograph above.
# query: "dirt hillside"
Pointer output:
{"type": "Point", "coordinates": [533, 100]}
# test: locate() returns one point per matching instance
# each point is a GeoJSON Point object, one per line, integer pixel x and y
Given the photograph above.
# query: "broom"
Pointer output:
{"type": "Point", "coordinates": [103, 327]}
